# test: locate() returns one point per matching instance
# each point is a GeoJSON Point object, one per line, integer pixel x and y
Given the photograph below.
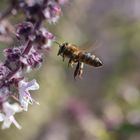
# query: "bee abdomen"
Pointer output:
{"type": "Point", "coordinates": [91, 60]}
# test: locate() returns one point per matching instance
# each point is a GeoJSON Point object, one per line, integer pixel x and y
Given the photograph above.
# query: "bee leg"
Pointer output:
{"type": "Point", "coordinates": [76, 70]}
{"type": "Point", "coordinates": [63, 56]}
{"type": "Point", "coordinates": [70, 63]}
{"type": "Point", "coordinates": [79, 70]}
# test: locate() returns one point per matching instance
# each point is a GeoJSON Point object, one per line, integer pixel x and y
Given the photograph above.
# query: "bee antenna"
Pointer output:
{"type": "Point", "coordinates": [57, 43]}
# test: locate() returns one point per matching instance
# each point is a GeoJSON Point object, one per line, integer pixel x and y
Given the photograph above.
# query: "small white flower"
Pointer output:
{"type": "Point", "coordinates": [24, 95]}
{"type": "Point", "coordinates": [8, 115]}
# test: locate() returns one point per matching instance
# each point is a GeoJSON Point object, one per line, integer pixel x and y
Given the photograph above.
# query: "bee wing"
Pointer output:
{"type": "Point", "coordinates": [90, 46]}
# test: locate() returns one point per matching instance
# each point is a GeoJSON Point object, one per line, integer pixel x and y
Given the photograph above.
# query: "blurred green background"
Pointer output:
{"type": "Point", "coordinates": [105, 103]}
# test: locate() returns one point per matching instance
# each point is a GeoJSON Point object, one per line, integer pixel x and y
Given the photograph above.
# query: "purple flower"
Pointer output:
{"type": "Point", "coordinates": [8, 115]}
{"type": "Point", "coordinates": [12, 57]}
{"type": "Point", "coordinates": [62, 2]}
{"type": "Point", "coordinates": [24, 95]}
{"type": "Point", "coordinates": [52, 11]}
{"type": "Point", "coordinates": [13, 54]}
{"type": "Point", "coordinates": [4, 71]}
{"type": "Point", "coordinates": [33, 2]}
{"type": "Point", "coordinates": [32, 60]}
{"type": "Point", "coordinates": [34, 42]}
{"type": "Point", "coordinates": [24, 29]}
{"type": "Point", "coordinates": [4, 94]}
{"type": "Point", "coordinates": [44, 38]}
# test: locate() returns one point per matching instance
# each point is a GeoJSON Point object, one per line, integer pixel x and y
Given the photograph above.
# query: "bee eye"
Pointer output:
{"type": "Point", "coordinates": [66, 43]}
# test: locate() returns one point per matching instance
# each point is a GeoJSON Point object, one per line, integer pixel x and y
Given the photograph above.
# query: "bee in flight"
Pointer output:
{"type": "Point", "coordinates": [78, 56]}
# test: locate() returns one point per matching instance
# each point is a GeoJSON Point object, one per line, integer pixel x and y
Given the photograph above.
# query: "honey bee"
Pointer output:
{"type": "Point", "coordinates": [78, 56]}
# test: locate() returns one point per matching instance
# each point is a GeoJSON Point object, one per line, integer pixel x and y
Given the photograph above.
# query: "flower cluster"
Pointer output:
{"type": "Point", "coordinates": [34, 40]}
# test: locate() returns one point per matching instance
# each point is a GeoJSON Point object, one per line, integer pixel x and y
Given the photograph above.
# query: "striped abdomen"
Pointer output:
{"type": "Point", "coordinates": [89, 59]}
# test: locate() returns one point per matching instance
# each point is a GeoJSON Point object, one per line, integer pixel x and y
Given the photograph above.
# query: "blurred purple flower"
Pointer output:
{"type": "Point", "coordinates": [62, 2]}
{"type": "Point", "coordinates": [33, 2]}
{"type": "Point", "coordinates": [4, 71]}
{"type": "Point", "coordinates": [24, 28]}
{"type": "Point", "coordinates": [44, 38]}
{"type": "Point", "coordinates": [4, 94]}
{"type": "Point", "coordinates": [52, 11]}
{"type": "Point", "coordinates": [34, 39]}
{"type": "Point", "coordinates": [12, 54]}
{"type": "Point", "coordinates": [32, 60]}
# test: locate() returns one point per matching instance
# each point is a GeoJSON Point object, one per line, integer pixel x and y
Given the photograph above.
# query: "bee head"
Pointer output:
{"type": "Point", "coordinates": [66, 44]}
{"type": "Point", "coordinates": [62, 48]}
